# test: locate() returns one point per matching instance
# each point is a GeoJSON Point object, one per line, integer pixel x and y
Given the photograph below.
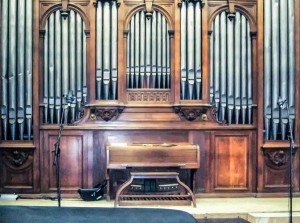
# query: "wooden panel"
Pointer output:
{"type": "Point", "coordinates": [231, 161]}
{"type": "Point", "coordinates": [16, 173]}
{"type": "Point", "coordinates": [153, 155]}
{"type": "Point", "coordinates": [76, 162]}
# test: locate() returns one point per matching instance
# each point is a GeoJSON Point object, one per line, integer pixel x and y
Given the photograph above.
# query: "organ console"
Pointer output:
{"type": "Point", "coordinates": [151, 184]}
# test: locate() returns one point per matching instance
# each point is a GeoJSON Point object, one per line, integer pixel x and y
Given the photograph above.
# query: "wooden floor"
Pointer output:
{"type": "Point", "coordinates": [255, 210]}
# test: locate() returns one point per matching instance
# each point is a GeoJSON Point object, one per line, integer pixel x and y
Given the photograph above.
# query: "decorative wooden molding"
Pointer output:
{"type": "Point", "coordinates": [17, 158]}
{"type": "Point", "coordinates": [214, 114]}
{"type": "Point", "coordinates": [149, 96]}
{"type": "Point", "coordinates": [204, 112]}
{"type": "Point", "coordinates": [149, 9]}
{"type": "Point", "coordinates": [65, 9]}
{"type": "Point", "coordinates": [231, 9]}
{"type": "Point", "coordinates": [105, 113]}
{"type": "Point", "coordinates": [192, 113]}
{"type": "Point", "coordinates": [277, 158]}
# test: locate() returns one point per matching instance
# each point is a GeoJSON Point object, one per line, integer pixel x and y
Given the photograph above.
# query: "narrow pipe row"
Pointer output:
{"type": "Point", "coordinates": [106, 50]}
{"type": "Point", "coordinates": [279, 67]}
{"type": "Point", "coordinates": [191, 50]}
{"type": "Point", "coordinates": [230, 68]}
{"type": "Point", "coordinates": [64, 66]}
{"type": "Point", "coordinates": [148, 52]}
{"type": "Point", "coordinates": [16, 70]}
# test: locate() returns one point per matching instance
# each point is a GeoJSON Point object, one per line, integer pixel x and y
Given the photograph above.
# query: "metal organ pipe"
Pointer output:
{"type": "Point", "coordinates": [231, 74]}
{"type": "Point", "coordinates": [114, 49]}
{"type": "Point", "coordinates": [57, 65]}
{"type": "Point", "coordinates": [183, 44]}
{"type": "Point", "coordinates": [99, 66]}
{"type": "Point", "coordinates": [237, 74]}
{"type": "Point", "coordinates": [279, 67]}
{"type": "Point", "coordinates": [72, 69]}
{"type": "Point", "coordinates": [79, 64]}
{"type": "Point", "coordinates": [230, 70]}
{"type": "Point", "coordinates": [198, 49]}
{"type": "Point", "coordinates": [4, 68]}
{"type": "Point", "coordinates": [12, 75]}
{"type": "Point", "coordinates": [21, 68]}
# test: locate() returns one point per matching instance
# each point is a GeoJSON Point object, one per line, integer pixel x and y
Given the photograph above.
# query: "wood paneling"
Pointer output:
{"type": "Point", "coordinates": [232, 161]}
{"type": "Point", "coordinates": [76, 161]}
{"type": "Point", "coordinates": [17, 170]}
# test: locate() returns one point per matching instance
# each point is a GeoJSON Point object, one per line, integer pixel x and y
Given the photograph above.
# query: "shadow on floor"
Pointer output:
{"type": "Point", "coordinates": [222, 220]}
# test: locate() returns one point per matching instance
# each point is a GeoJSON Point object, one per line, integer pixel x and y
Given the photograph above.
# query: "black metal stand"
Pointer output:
{"type": "Point", "coordinates": [292, 152]}
{"type": "Point", "coordinates": [56, 160]}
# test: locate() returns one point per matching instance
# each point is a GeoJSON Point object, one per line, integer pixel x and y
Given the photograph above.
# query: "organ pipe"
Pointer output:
{"type": "Point", "coordinates": [4, 69]}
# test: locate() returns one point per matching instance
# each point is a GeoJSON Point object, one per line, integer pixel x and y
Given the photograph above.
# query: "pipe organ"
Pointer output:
{"type": "Point", "coordinates": [279, 68]}
{"type": "Point", "coordinates": [16, 103]}
{"type": "Point", "coordinates": [64, 66]}
{"type": "Point", "coordinates": [165, 72]}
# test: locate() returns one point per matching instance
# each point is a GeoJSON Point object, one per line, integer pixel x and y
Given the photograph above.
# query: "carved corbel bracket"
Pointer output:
{"type": "Point", "coordinates": [231, 9]}
{"type": "Point", "coordinates": [148, 8]}
{"type": "Point", "coordinates": [192, 113]}
{"type": "Point", "coordinates": [105, 113]}
{"type": "Point", "coordinates": [276, 158]}
{"type": "Point", "coordinates": [65, 9]}
{"type": "Point", "coordinates": [17, 158]}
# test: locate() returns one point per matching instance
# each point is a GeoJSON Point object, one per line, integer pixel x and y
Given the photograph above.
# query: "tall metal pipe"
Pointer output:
{"type": "Point", "coordinates": [237, 83]}
{"type": "Point", "coordinates": [148, 52]}
{"type": "Point", "coordinates": [12, 76]}
{"type": "Point", "coordinates": [267, 68]}
{"type": "Point", "coordinates": [72, 59]}
{"type": "Point", "coordinates": [142, 49]}
{"type": "Point", "coordinates": [154, 48]}
{"type": "Point", "coordinates": [243, 68]}
{"type": "Point", "coordinates": [46, 75]}
{"type": "Point", "coordinates": [29, 67]}
{"type": "Point", "coordinates": [223, 65]}
{"type": "Point", "coordinates": [190, 49]}
{"type": "Point", "coordinates": [198, 49]}
{"type": "Point", "coordinates": [79, 69]}
{"type": "Point", "coordinates": [99, 45]}
{"type": "Point", "coordinates": [51, 70]}
{"type": "Point", "coordinates": [114, 49]}
{"type": "Point", "coordinates": [21, 68]}
{"type": "Point", "coordinates": [230, 69]}
{"type": "Point", "coordinates": [4, 68]}
{"type": "Point", "coordinates": [183, 39]}
{"type": "Point", "coordinates": [275, 68]}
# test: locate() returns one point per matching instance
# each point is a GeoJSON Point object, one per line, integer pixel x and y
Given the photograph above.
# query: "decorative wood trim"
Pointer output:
{"type": "Point", "coordinates": [277, 159]}
{"type": "Point", "coordinates": [105, 113]}
{"type": "Point", "coordinates": [18, 158]}
{"type": "Point", "coordinates": [197, 113]}
{"type": "Point", "coordinates": [148, 95]}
